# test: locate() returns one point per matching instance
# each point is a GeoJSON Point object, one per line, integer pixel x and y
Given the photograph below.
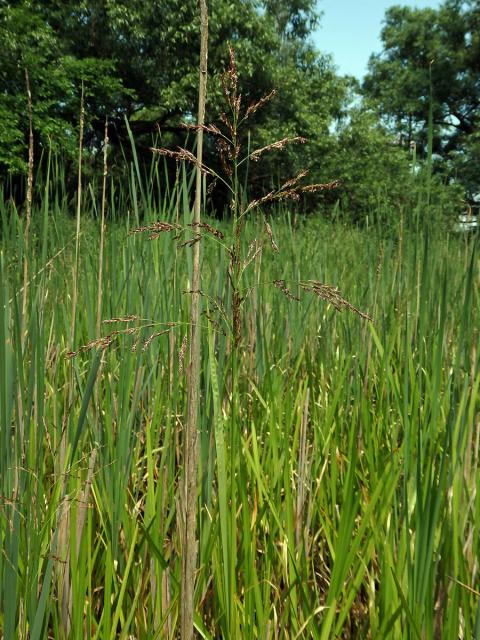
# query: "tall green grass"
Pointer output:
{"type": "Point", "coordinates": [339, 500]}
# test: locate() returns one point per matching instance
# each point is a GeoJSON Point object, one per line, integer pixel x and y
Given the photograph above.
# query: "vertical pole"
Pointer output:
{"type": "Point", "coordinates": [191, 452]}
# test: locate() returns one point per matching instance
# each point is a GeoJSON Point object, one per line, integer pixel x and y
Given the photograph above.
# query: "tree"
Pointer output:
{"type": "Point", "coordinates": [293, 19]}
{"type": "Point", "coordinates": [138, 61]}
{"type": "Point", "coordinates": [29, 42]}
{"type": "Point", "coordinates": [431, 60]}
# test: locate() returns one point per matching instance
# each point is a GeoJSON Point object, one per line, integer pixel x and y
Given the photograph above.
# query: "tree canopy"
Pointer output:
{"type": "Point", "coordinates": [139, 60]}
{"type": "Point", "coordinates": [136, 63]}
{"type": "Point", "coordinates": [431, 60]}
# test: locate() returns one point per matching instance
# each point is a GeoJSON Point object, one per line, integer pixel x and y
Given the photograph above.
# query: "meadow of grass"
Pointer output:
{"type": "Point", "coordinates": [337, 490]}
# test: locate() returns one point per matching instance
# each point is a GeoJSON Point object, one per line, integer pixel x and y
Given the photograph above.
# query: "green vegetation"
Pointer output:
{"type": "Point", "coordinates": [429, 63]}
{"type": "Point", "coordinates": [137, 63]}
{"type": "Point", "coordinates": [263, 424]}
{"type": "Point", "coordinates": [351, 456]}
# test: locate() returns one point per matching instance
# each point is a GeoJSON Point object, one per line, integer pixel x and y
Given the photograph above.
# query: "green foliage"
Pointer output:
{"type": "Point", "coordinates": [372, 167]}
{"type": "Point", "coordinates": [430, 58]}
{"type": "Point", "coordinates": [140, 60]}
{"type": "Point", "coordinates": [293, 19]}
{"type": "Point", "coordinates": [353, 456]}
{"type": "Point", "coordinates": [380, 180]}
{"type": "Point", "coordinates": [29, 42]}
{"type": "Point", "coordinates": [138, 64]}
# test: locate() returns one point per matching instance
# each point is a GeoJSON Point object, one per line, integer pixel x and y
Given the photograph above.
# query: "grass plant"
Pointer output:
{"type": "Point", "coordinates": [327, 488]}
{"type": "Point", "coordinates": [355, 462]}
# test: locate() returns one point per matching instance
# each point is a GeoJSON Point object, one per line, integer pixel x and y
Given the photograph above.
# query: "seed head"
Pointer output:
{"type": "Point", "coordinates": [268, 229]}
{"type": "Point", "coordinates": [281, 284]}
{"type": "Point", "coordinates": [181, 354]}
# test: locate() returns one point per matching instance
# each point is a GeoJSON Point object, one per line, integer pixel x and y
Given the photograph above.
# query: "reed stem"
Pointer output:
{"type": "Point", "coordinates": [191, 452]}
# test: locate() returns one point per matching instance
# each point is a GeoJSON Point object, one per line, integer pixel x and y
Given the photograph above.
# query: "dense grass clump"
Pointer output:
{"type": "Point", "coordinates": [338, 490]}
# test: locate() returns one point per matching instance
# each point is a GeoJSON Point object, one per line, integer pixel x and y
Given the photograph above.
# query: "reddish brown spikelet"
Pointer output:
{"type": "Point", "coordinates": [226, 157]}
{"type": "Point", "coordinates": [268, 197]}
{"type": "Point", "coordinates": [226, 121]}
{"type": "Point", "coordinates": [181, 354]}
{"type": "Point", "coordinates": [148, 341]}
{"type": "Point", "coordinates": [134, 346]}
{"type": "Point", "coordinates": [255, 106]}
{"type": "Point", "coordinates": [211, 186]}
{"type": "Point", "coordinates": [294, 181]}
{"type": "Point", "coordinates": [237, 103]}
{"type": "Point", "coordinates": [105, 341]}
{"type": "Point", "coordinates": [230, 83]}
{"type": "Point", "coordinates": [212, 230]}
{"type": "Point", "coordinates": [333, 296]}
{"type": "Point", "coordinates": [268, 229]}
{"type": "Point", "coordinates": [191, 242]}
{"type": "Point", "coordinates": [282, 285]}
{"type": "Point", "coordinates": [206, 128]}
{"type": "Point", "coordinates": [155, 229]}
{"type": "Point", "coordinates": [100, 343]}
{"type": "Point", "coordinates": [130, 318]}
{"type": "Point", "coordinates": [278, 145]}
{"type": "Point", "coordinates": [190, 291]}
{"type": "Point", "coordinates": [232, 70]}
{"type": "Point", "coordinates": [313, 188]}
{"type": "Point", "coordinates": [180, 154]}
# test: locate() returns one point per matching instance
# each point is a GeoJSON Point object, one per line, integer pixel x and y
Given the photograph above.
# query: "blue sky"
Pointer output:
{"type": "Point", "coordinates": [350, 30]}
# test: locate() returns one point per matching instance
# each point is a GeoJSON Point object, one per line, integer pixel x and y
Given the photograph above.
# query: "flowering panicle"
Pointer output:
{"type": "Point", "coordinates": [333, 296]}
{"type": "Point", "coordinates": [314, 188]}
{"type": "Point", "coordinates": [254, 250]}
{"type": "Point", "coordinates": [104, 342]}
{"type": "Point", "coordinates": [293, 182]}
{"type": "Point", "coordinates": [230, 90]}
{"type": "Point", "coordinates": [181, 354]}
{"type": "Point", "coordinates": [156, 229]}
{"type": "Point", "coordinates": [130, 318]}
{"type": "Point", "coordinates": [268, 229]}
{"type": "Point", "coordinates": [255, 106]}
{"type": "Point", "coordinates": [206, 128]}
{"type": "Point", "coordinates": [191, 241]}
{"type": "Point", "coordinates": [181, 154]}
{"type": "Point", "coordinates": [212, 230]}
{"type": "Point", "coordinates": [279, 145]}
{"type": "Point", "coordinates": [226, 156]}
{"type": "Point", "coordinates": [282, 285]}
